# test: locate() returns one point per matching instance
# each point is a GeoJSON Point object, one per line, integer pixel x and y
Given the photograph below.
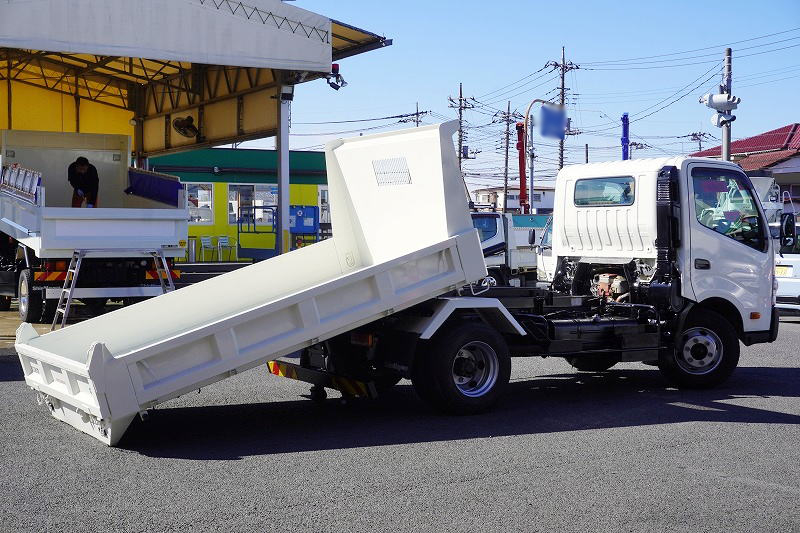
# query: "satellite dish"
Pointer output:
{"type": "Point", "coordinates": [185, 126]}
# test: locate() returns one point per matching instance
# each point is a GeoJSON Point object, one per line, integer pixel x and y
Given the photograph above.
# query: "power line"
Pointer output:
{"type": "Point", "coordinates": [404, 115]}
{"type": "Point", "coordinates": [692, 51]}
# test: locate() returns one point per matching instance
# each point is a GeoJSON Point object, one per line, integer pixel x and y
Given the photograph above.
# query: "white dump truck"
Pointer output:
{"type": "Point", "coordinates": [647, 270]}
{"type": "Point", "coordinates": [126, 244]}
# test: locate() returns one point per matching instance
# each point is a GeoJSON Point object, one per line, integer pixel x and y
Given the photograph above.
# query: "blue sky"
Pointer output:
{"type": "Point", "coordinates": [487, 46]}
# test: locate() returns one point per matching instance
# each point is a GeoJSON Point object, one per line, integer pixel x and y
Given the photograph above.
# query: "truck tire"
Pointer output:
{"type": "Point", "coordinates": [465, 369]}
{"type": "Point", "coordinates": [30, 300]}
{"type": "Point", "coordinates": [598, 363]}
{"type": "Point", "coordinates": [5, 303]}
{"type": "Point", "coordinates": [706, 352]}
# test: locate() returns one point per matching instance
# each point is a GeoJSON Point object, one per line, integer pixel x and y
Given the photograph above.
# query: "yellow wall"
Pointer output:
{"type": "Point", "coordinates": [299, 194]}
{"type": "Point", "coordinates": [42, 110]}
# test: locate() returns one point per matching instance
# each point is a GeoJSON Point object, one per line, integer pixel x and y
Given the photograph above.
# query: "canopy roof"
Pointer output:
{"type": "Point", "coordinates": [156, 58]}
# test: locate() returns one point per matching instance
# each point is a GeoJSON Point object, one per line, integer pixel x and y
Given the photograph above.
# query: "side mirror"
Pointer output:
{"type": "Point", "coordinates": [532, 236]}
{"type": "Point", "coordinates": [788, 229]}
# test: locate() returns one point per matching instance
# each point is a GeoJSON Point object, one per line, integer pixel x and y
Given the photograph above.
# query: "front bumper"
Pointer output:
{"type": "Point", "coordinates": [756, 337]}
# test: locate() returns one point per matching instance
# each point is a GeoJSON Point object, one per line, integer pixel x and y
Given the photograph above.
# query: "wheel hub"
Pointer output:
{"type": "Point", "coordinates": [475, 369]}
{"type": "Point", "coordinates": [700, 351]}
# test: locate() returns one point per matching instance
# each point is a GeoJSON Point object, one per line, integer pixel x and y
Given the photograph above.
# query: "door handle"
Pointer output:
{"type": "Point", "coordinates": [702, 264]}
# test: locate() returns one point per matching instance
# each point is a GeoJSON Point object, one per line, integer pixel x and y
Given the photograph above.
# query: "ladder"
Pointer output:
{"type": "Point", "coordinates": [71, 280]}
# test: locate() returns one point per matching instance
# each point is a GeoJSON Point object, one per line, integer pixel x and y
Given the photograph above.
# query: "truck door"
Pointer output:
{"type": "Point", "coordinates": [730, 255]}
{"type": "Point", "coordinates": [545, 261]}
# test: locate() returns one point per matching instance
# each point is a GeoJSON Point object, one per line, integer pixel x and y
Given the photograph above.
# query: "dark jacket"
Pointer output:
{"type": "Point", "coordinates": [88, 183]}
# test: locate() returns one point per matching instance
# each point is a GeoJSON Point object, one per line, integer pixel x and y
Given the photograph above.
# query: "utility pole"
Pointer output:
{"type": "Point", "coordinates": [562, 95]}
{"type": "Point", "coordinates": [724, 103]}
{"type": "Point", "coordinates": [698, 137]}
{"type": "Point", "coordinates": [727, 85]}
{"type": "Point", "coordinates": [416, 116]}
{"type": "Point", "coordinates": [461, 105]}
{"type": "Point", "coordinates": [505, 171]}
{"type": "Point", "coordinates": [531, 157]}
{"type": "Point", "coordinates": [563, 66]}
{"type": "Point", "coordinates": [626, 139]}
{"type": "Point", "coordinates": [586, 154]}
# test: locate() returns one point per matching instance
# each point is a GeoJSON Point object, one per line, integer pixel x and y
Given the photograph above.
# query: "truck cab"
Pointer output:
{"type": "Point", "coordinates": [696, 223]}
{"type": "Point", "coordinates": [509, 243]}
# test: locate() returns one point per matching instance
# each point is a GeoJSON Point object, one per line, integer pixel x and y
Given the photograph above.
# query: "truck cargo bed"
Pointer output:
{"type": "Point", "coordinates": [402, 235]}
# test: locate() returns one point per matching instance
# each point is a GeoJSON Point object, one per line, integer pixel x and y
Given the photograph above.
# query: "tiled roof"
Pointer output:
{"type": "Point", "coordinates": [764, 150]}
{"type": "Point", "coordinates": [785, 138]}
{"type": "Point", "coordinates": [765, 160]}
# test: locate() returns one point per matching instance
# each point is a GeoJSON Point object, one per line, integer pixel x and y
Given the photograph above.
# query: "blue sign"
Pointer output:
{"type": "Point", "coordinates": [553, 122]}
{"type": "Point", "coordinates": [303, 219]}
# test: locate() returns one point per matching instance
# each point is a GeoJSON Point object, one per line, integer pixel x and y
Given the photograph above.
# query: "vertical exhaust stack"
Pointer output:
{"type": "Point", "coordinates": [665, 289]}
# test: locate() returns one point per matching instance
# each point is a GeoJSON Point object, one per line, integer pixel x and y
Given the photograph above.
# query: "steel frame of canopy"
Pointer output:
{"type": "Point", "coordinates": [155, 91]}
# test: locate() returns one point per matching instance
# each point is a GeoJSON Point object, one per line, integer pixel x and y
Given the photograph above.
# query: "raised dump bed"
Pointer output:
{"type": "Point", "coordinates": [403, 235]}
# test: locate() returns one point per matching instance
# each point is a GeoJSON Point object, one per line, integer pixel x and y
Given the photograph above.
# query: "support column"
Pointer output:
{"type": "Point", "coordinates": [282, 148]}
{"type": "Point", "coordinates": [77, 98]}
{"type": "Point", "coordinates": [8, 90]}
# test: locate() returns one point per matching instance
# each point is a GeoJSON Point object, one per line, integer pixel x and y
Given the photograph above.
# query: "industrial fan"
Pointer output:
{"type": "Point", "coordinates": [185, 126]}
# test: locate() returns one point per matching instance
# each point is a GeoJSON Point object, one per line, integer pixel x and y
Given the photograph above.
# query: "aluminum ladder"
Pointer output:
{"type": "Point", "coordinates": [71, 280]}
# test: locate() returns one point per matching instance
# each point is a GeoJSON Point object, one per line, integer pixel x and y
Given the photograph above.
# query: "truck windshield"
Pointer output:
{"type": "Point", "coordinates": [724, 202]}
{"type": "Point", "coordinates": [486, 225]}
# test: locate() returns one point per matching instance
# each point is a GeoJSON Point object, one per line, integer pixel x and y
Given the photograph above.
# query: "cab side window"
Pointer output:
{"type": "Point", "coordinates": [724, 202]}
{"type": "Point", "coordinates": [604, 192]}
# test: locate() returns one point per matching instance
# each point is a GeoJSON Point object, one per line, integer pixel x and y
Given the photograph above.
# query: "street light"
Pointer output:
{"type": "Point", "coordinates": [553, 123]}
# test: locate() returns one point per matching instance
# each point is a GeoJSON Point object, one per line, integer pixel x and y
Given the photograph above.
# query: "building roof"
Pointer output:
{"type": "Point", "coordinates": [763, 150]}
{"type": "Point", "coordinates": [105, 35]}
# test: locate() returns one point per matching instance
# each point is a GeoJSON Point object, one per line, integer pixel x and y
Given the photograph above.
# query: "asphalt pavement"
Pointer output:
{"type": "Point", "coordinates": [618, 451]}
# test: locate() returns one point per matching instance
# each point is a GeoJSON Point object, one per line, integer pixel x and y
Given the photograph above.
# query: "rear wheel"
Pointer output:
{"type": "Point", "coordinates": [30, 300]}
{"type": "Point", "coordinates": [706, 352]}
{"type": "Point", "coordinates": [465, 370]}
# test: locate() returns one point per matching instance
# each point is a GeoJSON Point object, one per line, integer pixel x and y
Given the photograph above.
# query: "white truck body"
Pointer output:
{"type": "Point", "coordinates": [51, 228]}
{"type": "Point", "coordinates": [98, 374]}
{"type": "Point", "coordinates": [510, 249]}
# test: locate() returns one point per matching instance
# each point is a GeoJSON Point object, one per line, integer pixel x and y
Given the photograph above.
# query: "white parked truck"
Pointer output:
{"type": "Point", "coordinates": [647, 270]}
{"type": "Point", "coordinates": [510, 246]}
{"type": "Point", "coordinates": [139, 212]}
{"type": "Point", "coordinates": [787, 273]}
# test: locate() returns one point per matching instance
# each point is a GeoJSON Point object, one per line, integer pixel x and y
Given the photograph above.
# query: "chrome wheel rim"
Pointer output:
{"type": "Point", "coordinates": [475, 369]}
{"type": "Point", "coordinates": [700, 351]}
{"type": "Point", "coordinates": [23, 298]}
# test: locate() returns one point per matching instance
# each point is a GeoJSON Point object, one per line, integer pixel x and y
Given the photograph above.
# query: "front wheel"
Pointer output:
{"type": "Point", "coordinates": [465, 370]}
{"type": "Point", "coordinates": [706, 352]}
